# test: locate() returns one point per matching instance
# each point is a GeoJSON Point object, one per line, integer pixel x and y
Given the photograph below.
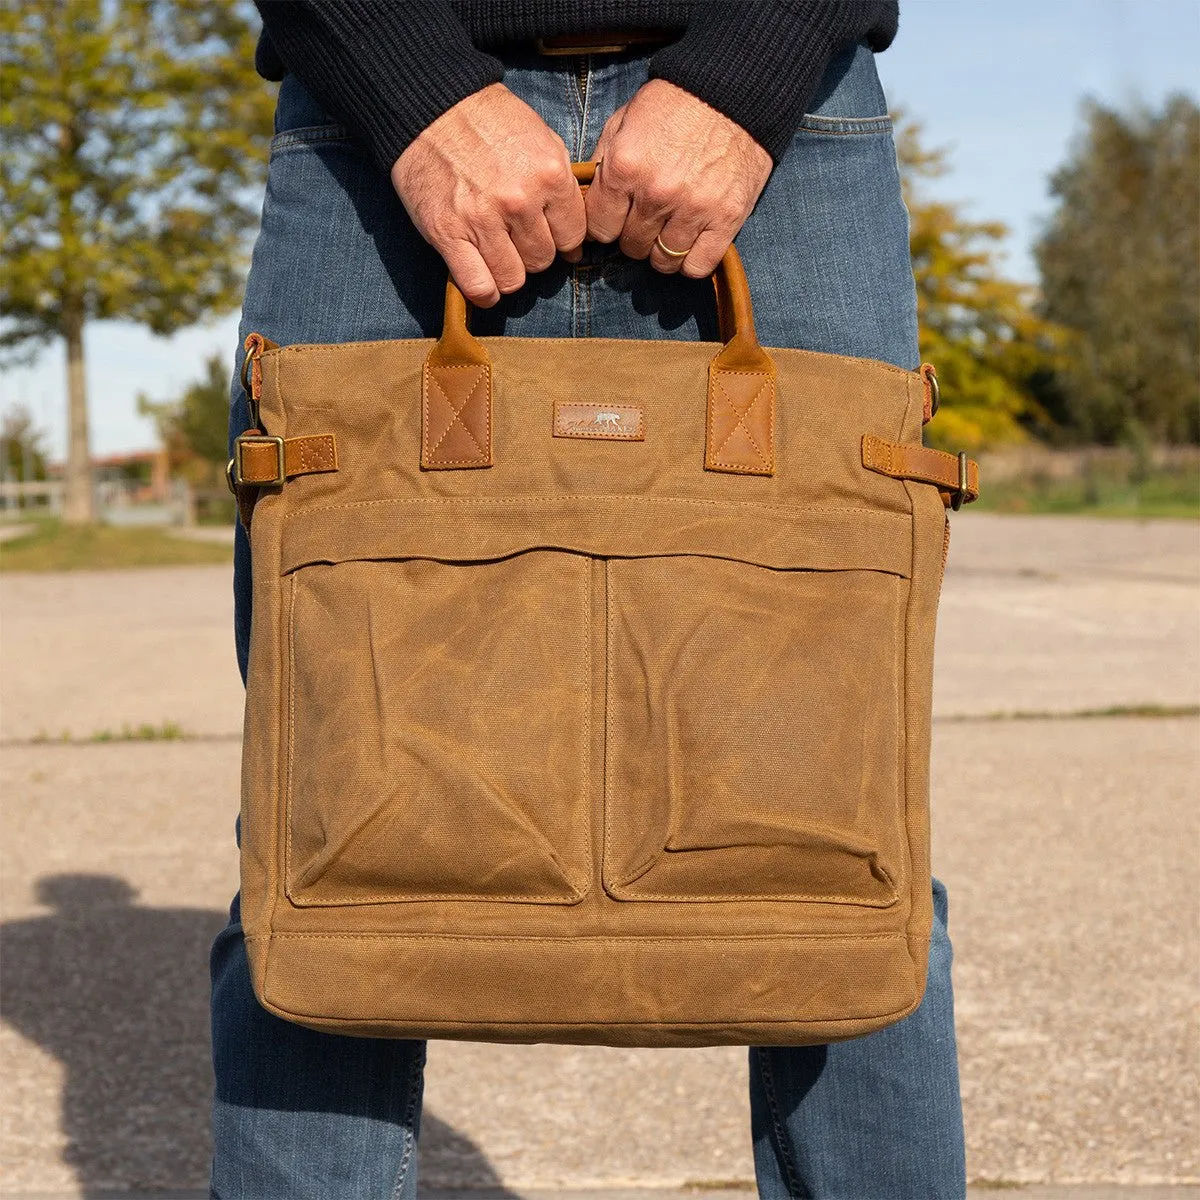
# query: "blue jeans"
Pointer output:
{"type": "Point", "coordinates": [301, 1115]}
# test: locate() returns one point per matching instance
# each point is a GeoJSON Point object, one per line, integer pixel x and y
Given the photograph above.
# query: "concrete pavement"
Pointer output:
{"type": "Point", "coordinates": [1069, 847]}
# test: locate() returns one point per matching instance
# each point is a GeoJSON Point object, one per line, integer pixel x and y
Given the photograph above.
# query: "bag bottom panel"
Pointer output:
{"type": "Point", "coordinates": [623, 991]}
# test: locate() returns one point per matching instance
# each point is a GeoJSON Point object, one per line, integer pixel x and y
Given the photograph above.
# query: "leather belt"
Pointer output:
{"type": "Point", "coordinates": [602, 41]}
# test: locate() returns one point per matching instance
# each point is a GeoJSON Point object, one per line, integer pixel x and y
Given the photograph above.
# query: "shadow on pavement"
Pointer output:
{"type": "Point", "coordinates": [118, 994]}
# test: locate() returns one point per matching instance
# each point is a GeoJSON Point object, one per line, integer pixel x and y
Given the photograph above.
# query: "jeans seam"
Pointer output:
{"type": "Point", "coordinates": [587, 105]}
{"type": "Point", "coordinates": [410, 1141]}
{"type": "Point", "coordinates": [572, 94]}
{"type": "Point", "coordinates": [790, 1171]}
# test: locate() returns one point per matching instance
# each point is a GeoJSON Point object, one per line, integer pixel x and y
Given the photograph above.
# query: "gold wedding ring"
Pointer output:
{"type": "Point", "coordinates": [669, 252]}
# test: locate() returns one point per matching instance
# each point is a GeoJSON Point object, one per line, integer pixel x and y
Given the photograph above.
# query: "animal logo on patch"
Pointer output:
{"type": "Point", "coordinates": [609, 422]}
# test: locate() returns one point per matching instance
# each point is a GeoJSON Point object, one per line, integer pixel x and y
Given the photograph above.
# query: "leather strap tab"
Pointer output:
{"type": "Point", "coordinates": [741, 385]}
{"type": "Point", "coordinates": [741, 421]}
{"type": "Point", "coordinates": [256, 346]}
{"type": "Point", "coordinates": [262, 460]}
{"type": "Point", "coordinates": [456, 415]}
{"type": "Point", "coordinates": [920, 463]}
{"type": "Point", "coordinates": [456, 394]}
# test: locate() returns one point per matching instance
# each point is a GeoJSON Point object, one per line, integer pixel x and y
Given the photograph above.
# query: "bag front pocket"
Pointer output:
{"type": "Point", "coordinates": [753, 740]}
{"type": "Point", "coordinates": [438, 730]}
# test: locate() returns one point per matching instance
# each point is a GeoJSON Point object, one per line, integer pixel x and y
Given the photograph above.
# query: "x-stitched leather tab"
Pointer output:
{"type": "Point", "coordinates": [456, 415]}
{"type": "Point", "coordinates": [741, 422]}
{"type": "Point", "coordinates": [920, 463]}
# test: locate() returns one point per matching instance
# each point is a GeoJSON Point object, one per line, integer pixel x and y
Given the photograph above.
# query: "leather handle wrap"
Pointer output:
{"type": "Point", "coordinates": [457, 391]}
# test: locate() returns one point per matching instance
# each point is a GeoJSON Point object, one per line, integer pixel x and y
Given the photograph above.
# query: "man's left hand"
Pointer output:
{"type": "Point", "coordinates": [673, 168]}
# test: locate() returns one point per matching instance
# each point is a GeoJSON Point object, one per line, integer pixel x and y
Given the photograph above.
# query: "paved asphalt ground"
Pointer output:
{"type": "Point", "coordinates": [1069, 843]}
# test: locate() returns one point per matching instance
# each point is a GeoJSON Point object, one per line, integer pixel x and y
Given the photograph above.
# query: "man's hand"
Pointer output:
{"type": "Point", "coordinates": [489, 186]}
{"type": "Point", "coordinates": [677, 169]}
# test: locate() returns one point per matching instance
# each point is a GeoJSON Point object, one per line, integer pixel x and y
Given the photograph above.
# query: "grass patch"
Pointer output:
{"type": "Point", "coordinates": [53, 546]}
{"type": "Point", "coordinates": [1115, 710]}
{"type": "Point", "coordinates": [1104, 490]}
{"type": "Point", "coordinates": [166, 731]}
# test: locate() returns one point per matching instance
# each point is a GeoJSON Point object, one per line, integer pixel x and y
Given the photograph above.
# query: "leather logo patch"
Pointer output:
{"type": "Point", "coordinates": [614, 422]}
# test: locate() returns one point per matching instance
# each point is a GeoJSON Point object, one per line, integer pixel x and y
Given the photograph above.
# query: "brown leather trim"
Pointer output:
{"type": "Point", "coordinates": [608, 422]}
{"type": "Point", "coordinates": [456, 415]}
{"type": "Point", "coordinates": [256, 345]}
{"type": "Point", "coordinates": [920, 463]}
{"type": "Point", "coordinates": [258, 461]}
{"type": "Point", "coordinates": [456, 394]}
{"type": "Point", "coordinates": [741, 421]}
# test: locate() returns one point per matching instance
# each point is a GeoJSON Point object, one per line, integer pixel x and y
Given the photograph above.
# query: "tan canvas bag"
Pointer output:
{"type": "Point", "coordinates": [589, 689]}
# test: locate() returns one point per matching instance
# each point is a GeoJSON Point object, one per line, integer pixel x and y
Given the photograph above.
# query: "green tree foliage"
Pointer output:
{"type": "Point", "coordinates": [979, 329]}
{"type": "Point", "coordinates": [134, 131]}
{"type": "Point", "coordinates": [22, 448]}
{"type": "Point", "coordinates": [194, 427]}
{"type": "Point", "coordinates": [1120, 264]}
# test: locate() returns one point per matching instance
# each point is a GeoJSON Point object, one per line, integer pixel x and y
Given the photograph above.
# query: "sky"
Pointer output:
{"type": "Point", "coordinates": [997, 82]}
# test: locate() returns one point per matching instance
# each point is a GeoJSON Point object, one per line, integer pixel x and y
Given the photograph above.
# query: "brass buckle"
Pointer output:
{"type": "Point", "coordinates": [959, 494]}
{"type": "Point", "coordinates": [233, 472]}
{"type": "Point", "coordinates": [565, 50]}
{"type": "Point", "coordinates": [935, 394]}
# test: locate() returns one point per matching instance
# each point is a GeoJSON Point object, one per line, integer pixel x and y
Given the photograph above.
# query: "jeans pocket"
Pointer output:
{"type": "Point", "coordinates": [850, 98]}
{"type": "Point", "coordinates": [844, 126]}
{"type": "Point", "coordinates": [300, 120]}
{"type": "Point", "coordinates": [309, 135]}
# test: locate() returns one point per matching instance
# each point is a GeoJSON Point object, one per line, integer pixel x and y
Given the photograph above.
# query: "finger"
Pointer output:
{"type": "Point", "coordinates": [651, 210]}
{"type": "Point", "coordinates": [679, 233]}
{"type": "Point", "coordinates": [534, 242]}
{"type": "Point", "coordinates": [471, 273]}
{"type": "Point", "coordinates": [608, 199]}
{"type": "Point", "coordinates": [705, 255]}
{"type": "Point", "coordinates": [611, 127]}
{"type": "Point", "coordinates": [495, 245]}
{"type": "Point", "coordinates": [566, 215]}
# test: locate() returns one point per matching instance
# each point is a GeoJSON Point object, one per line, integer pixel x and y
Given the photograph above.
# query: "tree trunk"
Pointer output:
{"type": "Point", "coordinates": [78, 507]}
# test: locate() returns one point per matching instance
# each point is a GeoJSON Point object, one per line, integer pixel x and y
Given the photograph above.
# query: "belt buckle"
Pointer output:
{"type": "Point", "coordinates": [234, 475]}
{"type": "Point", "coordinates": [568, 49]}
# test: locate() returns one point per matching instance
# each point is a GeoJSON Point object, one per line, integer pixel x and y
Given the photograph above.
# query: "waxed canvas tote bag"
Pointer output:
{"type": "Point", "coordinates": [589, 686]}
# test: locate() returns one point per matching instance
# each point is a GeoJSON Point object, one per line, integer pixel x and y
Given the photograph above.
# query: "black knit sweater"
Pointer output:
{"type": "Point", "coordinates": [388, 68]}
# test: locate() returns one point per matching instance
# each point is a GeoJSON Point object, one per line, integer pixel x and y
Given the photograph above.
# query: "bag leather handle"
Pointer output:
{"type": "Point", "coordinates": [456, 385]}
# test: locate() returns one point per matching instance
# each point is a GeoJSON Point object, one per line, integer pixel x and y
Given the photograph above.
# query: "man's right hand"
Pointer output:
{"type": "Point", "coordinates": [489, 186]}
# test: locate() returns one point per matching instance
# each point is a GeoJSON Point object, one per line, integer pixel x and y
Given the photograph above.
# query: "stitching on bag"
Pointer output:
{"type": "Point", "coordinates": [766, 462]}
{"type": "Point", "coordinates": [291, 751]}
{"type": "Point", "coordinates": [483, 454]}
{"type": "Point", "coordinates": [608, 718]}
{"type": "Point", "coordinates": [575, 939]}
{"type": "Point", "coordinates": [586, 790]}
{"type": "Point", "coordinates": [456, 411]}
{"type": "Point", "coordinates": [592, 498]}
{"type": "Point", "coordinates": [323, 350]}
{"type": "Point", "coordinates": [688, 898]}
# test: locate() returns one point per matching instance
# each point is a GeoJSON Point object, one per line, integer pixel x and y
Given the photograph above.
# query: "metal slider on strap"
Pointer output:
{"type": "Point", "coordinates": [267, 460]}
{"type": "Point", "coordinates": [237, 469]}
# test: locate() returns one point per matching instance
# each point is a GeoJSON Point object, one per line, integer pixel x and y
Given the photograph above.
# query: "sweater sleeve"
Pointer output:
{"type": "Point", "coordinates": [760, 62]}
{"type": "Point", "coordinates": [386, 71]}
